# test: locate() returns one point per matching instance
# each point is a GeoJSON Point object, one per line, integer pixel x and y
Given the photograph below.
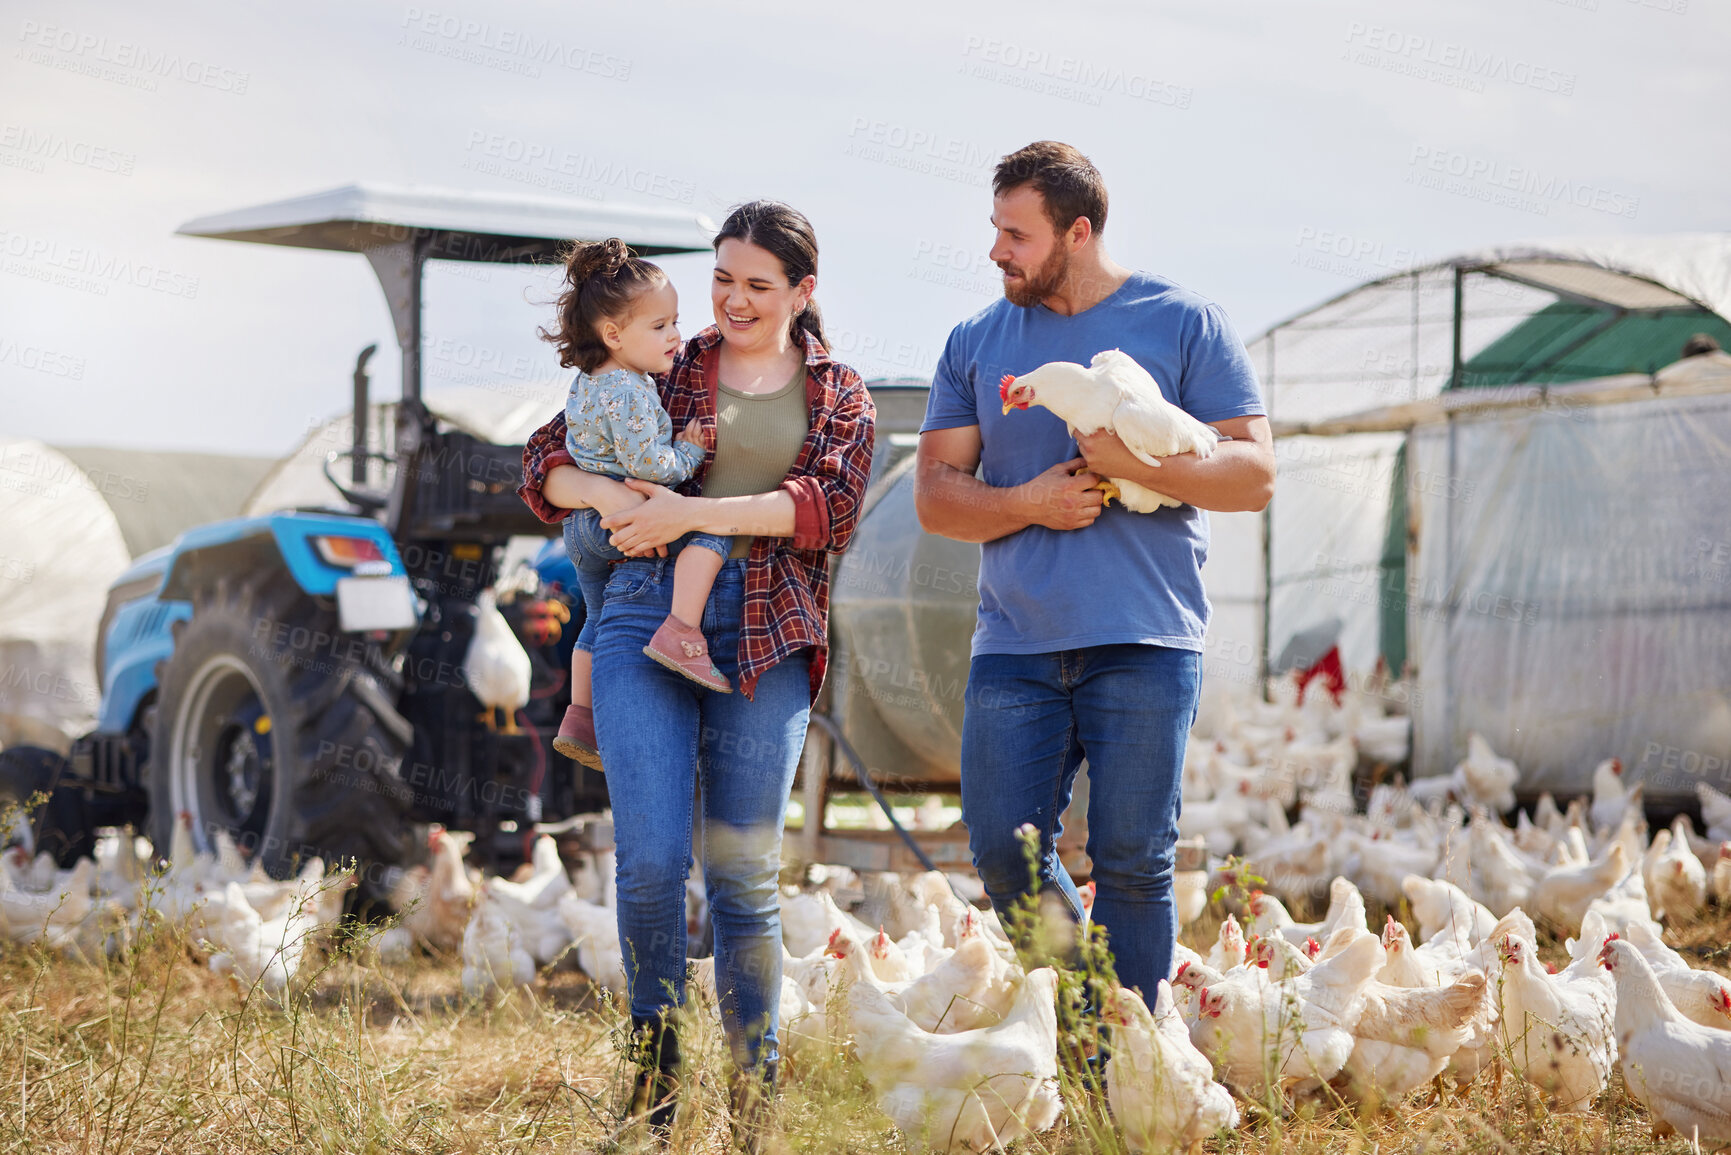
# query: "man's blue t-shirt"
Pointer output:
{"type": "Point", "coordinates": [1129, 577]}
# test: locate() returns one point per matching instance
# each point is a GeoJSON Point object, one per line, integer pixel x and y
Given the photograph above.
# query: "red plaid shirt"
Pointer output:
{"type": "Point", "coordinates": [786, 579]}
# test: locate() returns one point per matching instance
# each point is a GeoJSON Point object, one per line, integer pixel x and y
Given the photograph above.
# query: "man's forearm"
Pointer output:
{"type": "Point", "coordinates": [958, 505]}
{"type": "Point", "coordinates": [1238, 476]}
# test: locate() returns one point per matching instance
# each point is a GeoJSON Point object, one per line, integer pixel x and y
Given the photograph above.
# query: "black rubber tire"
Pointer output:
{"type": "Point", "coordinates": [335, 740]}
{"type": "Point", "coordinates": [61, 827]}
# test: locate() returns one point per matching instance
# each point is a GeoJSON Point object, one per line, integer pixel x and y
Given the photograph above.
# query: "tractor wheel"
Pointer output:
{"type": "Point", "coordinates": [274, 725]}
{"type": "Point", "coordinates": [62, 827]}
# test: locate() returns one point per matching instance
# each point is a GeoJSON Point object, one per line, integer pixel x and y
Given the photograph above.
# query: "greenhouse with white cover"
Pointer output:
{"type": "Point", "coordinates": [1507, 474]}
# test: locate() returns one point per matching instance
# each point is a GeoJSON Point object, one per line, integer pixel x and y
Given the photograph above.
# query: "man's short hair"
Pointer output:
{"type": "Point", "coordinates": [1067, 182]}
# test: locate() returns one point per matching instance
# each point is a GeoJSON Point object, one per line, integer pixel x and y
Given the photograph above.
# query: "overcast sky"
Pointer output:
{"type": "Point", "coordinates": [1264, 153]}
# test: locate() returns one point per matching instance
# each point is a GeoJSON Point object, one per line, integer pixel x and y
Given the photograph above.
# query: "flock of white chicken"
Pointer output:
{"type": "Point", "coordinates": [960, 1044]}
{"type": "Point", "coordinates": [248, 925]}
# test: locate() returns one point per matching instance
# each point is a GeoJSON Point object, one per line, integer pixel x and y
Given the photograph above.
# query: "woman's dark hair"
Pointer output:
{"type": "Point", "coordinates": [785, 233]}
{"type": "Point", "coordinates": [602, 280]}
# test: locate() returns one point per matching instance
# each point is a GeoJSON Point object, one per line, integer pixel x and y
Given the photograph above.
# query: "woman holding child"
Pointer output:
{"type": "Point", "coordinates": [702, 700]}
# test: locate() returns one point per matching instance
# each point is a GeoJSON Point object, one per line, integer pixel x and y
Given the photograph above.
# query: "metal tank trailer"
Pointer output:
{"type": "Point", "coordinates": [889, 721]}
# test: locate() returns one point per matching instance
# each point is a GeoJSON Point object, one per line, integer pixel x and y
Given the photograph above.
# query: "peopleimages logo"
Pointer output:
{"type": "Point", "coordinates": [502, 47]}
{"type": "Point", "coordinates": [86, 267]}
{"type": "Point", "coordinates": [1517, 186]}
{"type": "Point", "coordinates": [1459, 65]}
{"type": "Point", "coordinates": [100, 56]}
{"type": "Point", "coordinates": [1064, 76]}
{"type": "Point", "coordinates": [40, 146]}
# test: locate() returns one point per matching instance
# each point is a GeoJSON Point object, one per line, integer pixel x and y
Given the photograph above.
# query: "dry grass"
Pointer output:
{"type": "Point", "coordinates": [150, 1052]}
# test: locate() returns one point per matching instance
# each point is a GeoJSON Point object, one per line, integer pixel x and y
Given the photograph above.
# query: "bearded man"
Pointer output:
{"type": "Point", "coordinates": [1091, 619]}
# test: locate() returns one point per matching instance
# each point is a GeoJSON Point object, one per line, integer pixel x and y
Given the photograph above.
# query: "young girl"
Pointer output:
{"type": "Point", "coordinates": [617, 325]}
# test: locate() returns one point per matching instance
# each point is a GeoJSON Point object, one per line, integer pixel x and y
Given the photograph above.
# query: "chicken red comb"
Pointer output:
{"type": "Point", "coordinates": [1312, 947]}
{"type": "Point", "coordinates": [1182, 967]}
{"type": "Point", "coordinates": [1004, 384]}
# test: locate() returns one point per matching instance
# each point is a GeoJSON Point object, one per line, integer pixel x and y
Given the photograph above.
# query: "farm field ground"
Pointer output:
{"type": "Point", "coordinates": [149, 1051]}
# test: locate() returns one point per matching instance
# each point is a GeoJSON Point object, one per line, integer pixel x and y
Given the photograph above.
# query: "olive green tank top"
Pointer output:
{"type": "Point", "coordinates": [758, 437]}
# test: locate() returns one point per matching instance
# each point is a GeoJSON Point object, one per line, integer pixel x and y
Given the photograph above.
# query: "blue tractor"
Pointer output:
{"type": "Point", "coordinates": [297, 679]}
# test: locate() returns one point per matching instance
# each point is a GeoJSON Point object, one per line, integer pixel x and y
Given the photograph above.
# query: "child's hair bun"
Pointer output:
{"type": "Point", "coordinates": [602, 280]}
{"type": "Point", "coordinates": [593, 260]}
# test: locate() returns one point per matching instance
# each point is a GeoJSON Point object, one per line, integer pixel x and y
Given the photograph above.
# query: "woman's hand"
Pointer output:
{"type": "Point", "coordinates": [646, 529]}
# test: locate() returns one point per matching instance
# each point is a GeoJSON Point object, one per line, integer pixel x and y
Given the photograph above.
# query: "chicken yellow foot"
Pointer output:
{"type": "Point", "coordinates": [1108, 492]}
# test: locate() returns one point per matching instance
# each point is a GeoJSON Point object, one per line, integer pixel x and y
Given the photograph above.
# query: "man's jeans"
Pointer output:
{"type": "Point", "coordinates": [666, 740]}
{"type": "Point", "coordinates": [1029, 722]}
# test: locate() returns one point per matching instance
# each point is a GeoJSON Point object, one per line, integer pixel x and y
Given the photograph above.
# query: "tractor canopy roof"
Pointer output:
{"type": "Point", "coordinates": [457, 225]}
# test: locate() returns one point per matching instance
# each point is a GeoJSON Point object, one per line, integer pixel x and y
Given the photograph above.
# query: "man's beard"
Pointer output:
{"type": "Point", "coordinates": [1042, 282]}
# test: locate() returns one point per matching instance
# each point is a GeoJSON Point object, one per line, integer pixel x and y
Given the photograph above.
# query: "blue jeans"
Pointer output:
{"type": "Point", "coordinates": [1029, 721]}
{"type": "Point", "coordinates": [673, 748]}
{"type": "Point", "coordinates": [592, 551]}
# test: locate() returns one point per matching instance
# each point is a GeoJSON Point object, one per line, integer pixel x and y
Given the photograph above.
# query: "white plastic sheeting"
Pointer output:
{"type": "Point", "coordinates": [1570, 590]}
{"type": "Point", "coordinates": [1329, 516]}
{"type": "Point", "coordinates": [60, 547]}
{"type": "Point", "coordinates": [1391, 340]}
{"type": "Point", "coordinates": [1694, 265]}
{"type": "Point", "coordinates": [1232, 579]}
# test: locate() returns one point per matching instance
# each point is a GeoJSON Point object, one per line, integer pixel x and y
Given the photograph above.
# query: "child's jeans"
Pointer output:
{"type": "Point", "coordinates": [591, 551]}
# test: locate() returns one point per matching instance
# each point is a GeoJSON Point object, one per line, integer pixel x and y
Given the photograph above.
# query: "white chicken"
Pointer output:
{"type": "Point", "coordinates": [593, 931]}
{"type": "Point", "coordinates": [1702, 996]}
{"type": "Point", "coordinates": [1715, 812]}
{"type": "Point", "coordinates": [1557, 1035]}
{"type": "Point", "coordinates": [972, 1090]}
{"type": "Point", "coordinates": [259, 953]}
{"type": "Point", "coordinates": [1564, 895]}
{"type": "Point", "coordinates": [494, 959]}
{"type": "Point", "coordinates": [1406, 1036]}
{"type": "Point", "coordinates": [1115, 394]}
{"type": "Point", "coordinates": [1160, 1087]}
{"type": "Point", "coordinates": [1229, 946]}
{"type": "Point", "coordinates": [53, 915]}
{"type": "Point", "coordinates": [436, 898]}
{"type": "Point", "coordinates": [1345, 908]}
{"type": "Point", "coordinates": [1299, 1031]}
{"type": "Point", "coordinates": [972, 988]}
{"type": "Point", "coordinates": [1624, 905]}
{"type": "Point", "coordinates": [810, 919]}
{"type": "Point", "coordinates": [497, 667]}
{"type": "Point", "coordinates": [1189, 895]}
{"type": "Point", "coordinates": [1281, 958]}
{"type": "Point", "coordinates": [1445, 909]}
{"type": "Point", "coordinates": [1676, 880]}
{"type": "Point", "coordinates": [1488, 778]}
{"type": "Point", "coordinates": [1679, 1071]}
{"type": "Point", "coordinates": [1610, 795]}
{"type": "Point", "coordinates": [533, 906]}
